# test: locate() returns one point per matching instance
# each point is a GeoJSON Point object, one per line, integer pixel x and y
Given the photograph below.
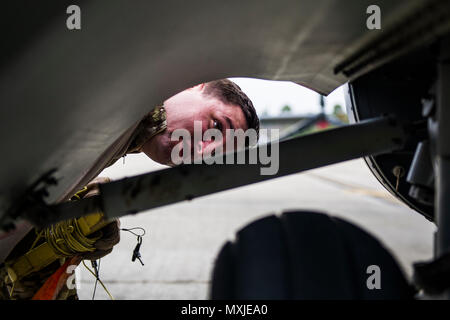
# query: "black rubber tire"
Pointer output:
{"type": "Point", "coordinates": [305, 255]}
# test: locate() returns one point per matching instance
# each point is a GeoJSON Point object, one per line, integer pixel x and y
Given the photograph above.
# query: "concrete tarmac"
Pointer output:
{"type": "Point", "coordinates": [183, 240]}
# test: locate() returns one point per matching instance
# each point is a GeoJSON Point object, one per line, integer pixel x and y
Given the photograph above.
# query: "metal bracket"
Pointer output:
{"type": "Point", "coordinates": [432, 276]}
{"type": "Point", "coordinates": [442, 160]}
{"type": "Point", "coordinates": [185, 182]}
{"type": "Point", "coordinates": [32, 198]}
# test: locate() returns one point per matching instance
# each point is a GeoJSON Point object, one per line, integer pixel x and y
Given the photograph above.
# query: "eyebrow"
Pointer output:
{"type": "Point", "coordinates": [230, 123]}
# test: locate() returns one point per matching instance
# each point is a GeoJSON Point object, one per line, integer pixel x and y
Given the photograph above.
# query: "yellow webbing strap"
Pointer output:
{"type": "Point", "coordinates": [44, 254]}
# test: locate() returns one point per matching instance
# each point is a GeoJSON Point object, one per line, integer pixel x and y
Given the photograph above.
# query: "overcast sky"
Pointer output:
{"type": "Point", "coordinates": [271, 96]}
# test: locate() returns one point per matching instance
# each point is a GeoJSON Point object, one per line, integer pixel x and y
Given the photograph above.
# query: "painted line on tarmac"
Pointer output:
{"type": "Point", "coordinates": [355, 189]}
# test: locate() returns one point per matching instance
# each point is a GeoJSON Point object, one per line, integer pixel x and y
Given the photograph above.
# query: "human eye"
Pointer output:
{"type": "Point", "coordinates": [216, 124]}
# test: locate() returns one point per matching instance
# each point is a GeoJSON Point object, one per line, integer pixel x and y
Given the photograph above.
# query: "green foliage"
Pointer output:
{"type": "Point", "coordinates": [286, 109]}
{"type": "Point", "coordinates": [339, 113]}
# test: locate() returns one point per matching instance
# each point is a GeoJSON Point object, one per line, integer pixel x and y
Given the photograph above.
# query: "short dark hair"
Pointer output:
{"type": "Point", "coordinates": [230, 93]}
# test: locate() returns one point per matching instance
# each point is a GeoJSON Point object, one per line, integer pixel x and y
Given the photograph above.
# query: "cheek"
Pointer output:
{"type": "Point", "coordinates": [170, 145]}
{"type": "Point", "coordinates": [185, 122]}
{"type": "Point", "coordinates": [218, 145]}
{"type": "Point", "coordinates": [233, 144]}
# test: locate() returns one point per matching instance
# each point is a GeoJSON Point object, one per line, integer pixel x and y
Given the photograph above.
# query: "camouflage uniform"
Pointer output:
{"type": "Point", "coordinates": [153, 123]}
{"type": "Point", "coordinates": [29, 285]}
{"type": "Point", "coordinates": [131, 141]}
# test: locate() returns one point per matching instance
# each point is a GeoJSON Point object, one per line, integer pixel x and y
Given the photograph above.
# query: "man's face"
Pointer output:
{"type": "Point", "coordinates": [182, 111]}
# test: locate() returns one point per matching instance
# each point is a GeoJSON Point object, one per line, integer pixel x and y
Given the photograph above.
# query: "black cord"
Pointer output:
{"type": "Point", "coordinates": [136, 253]}
{"type": "Point", "coordinates": [97, 270]}
{"type": "Point", "coordinates": [135, 228]}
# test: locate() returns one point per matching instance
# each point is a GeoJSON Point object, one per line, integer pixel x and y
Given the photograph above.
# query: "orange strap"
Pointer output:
{"type": "Point", "coordinates": [53, 285]}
